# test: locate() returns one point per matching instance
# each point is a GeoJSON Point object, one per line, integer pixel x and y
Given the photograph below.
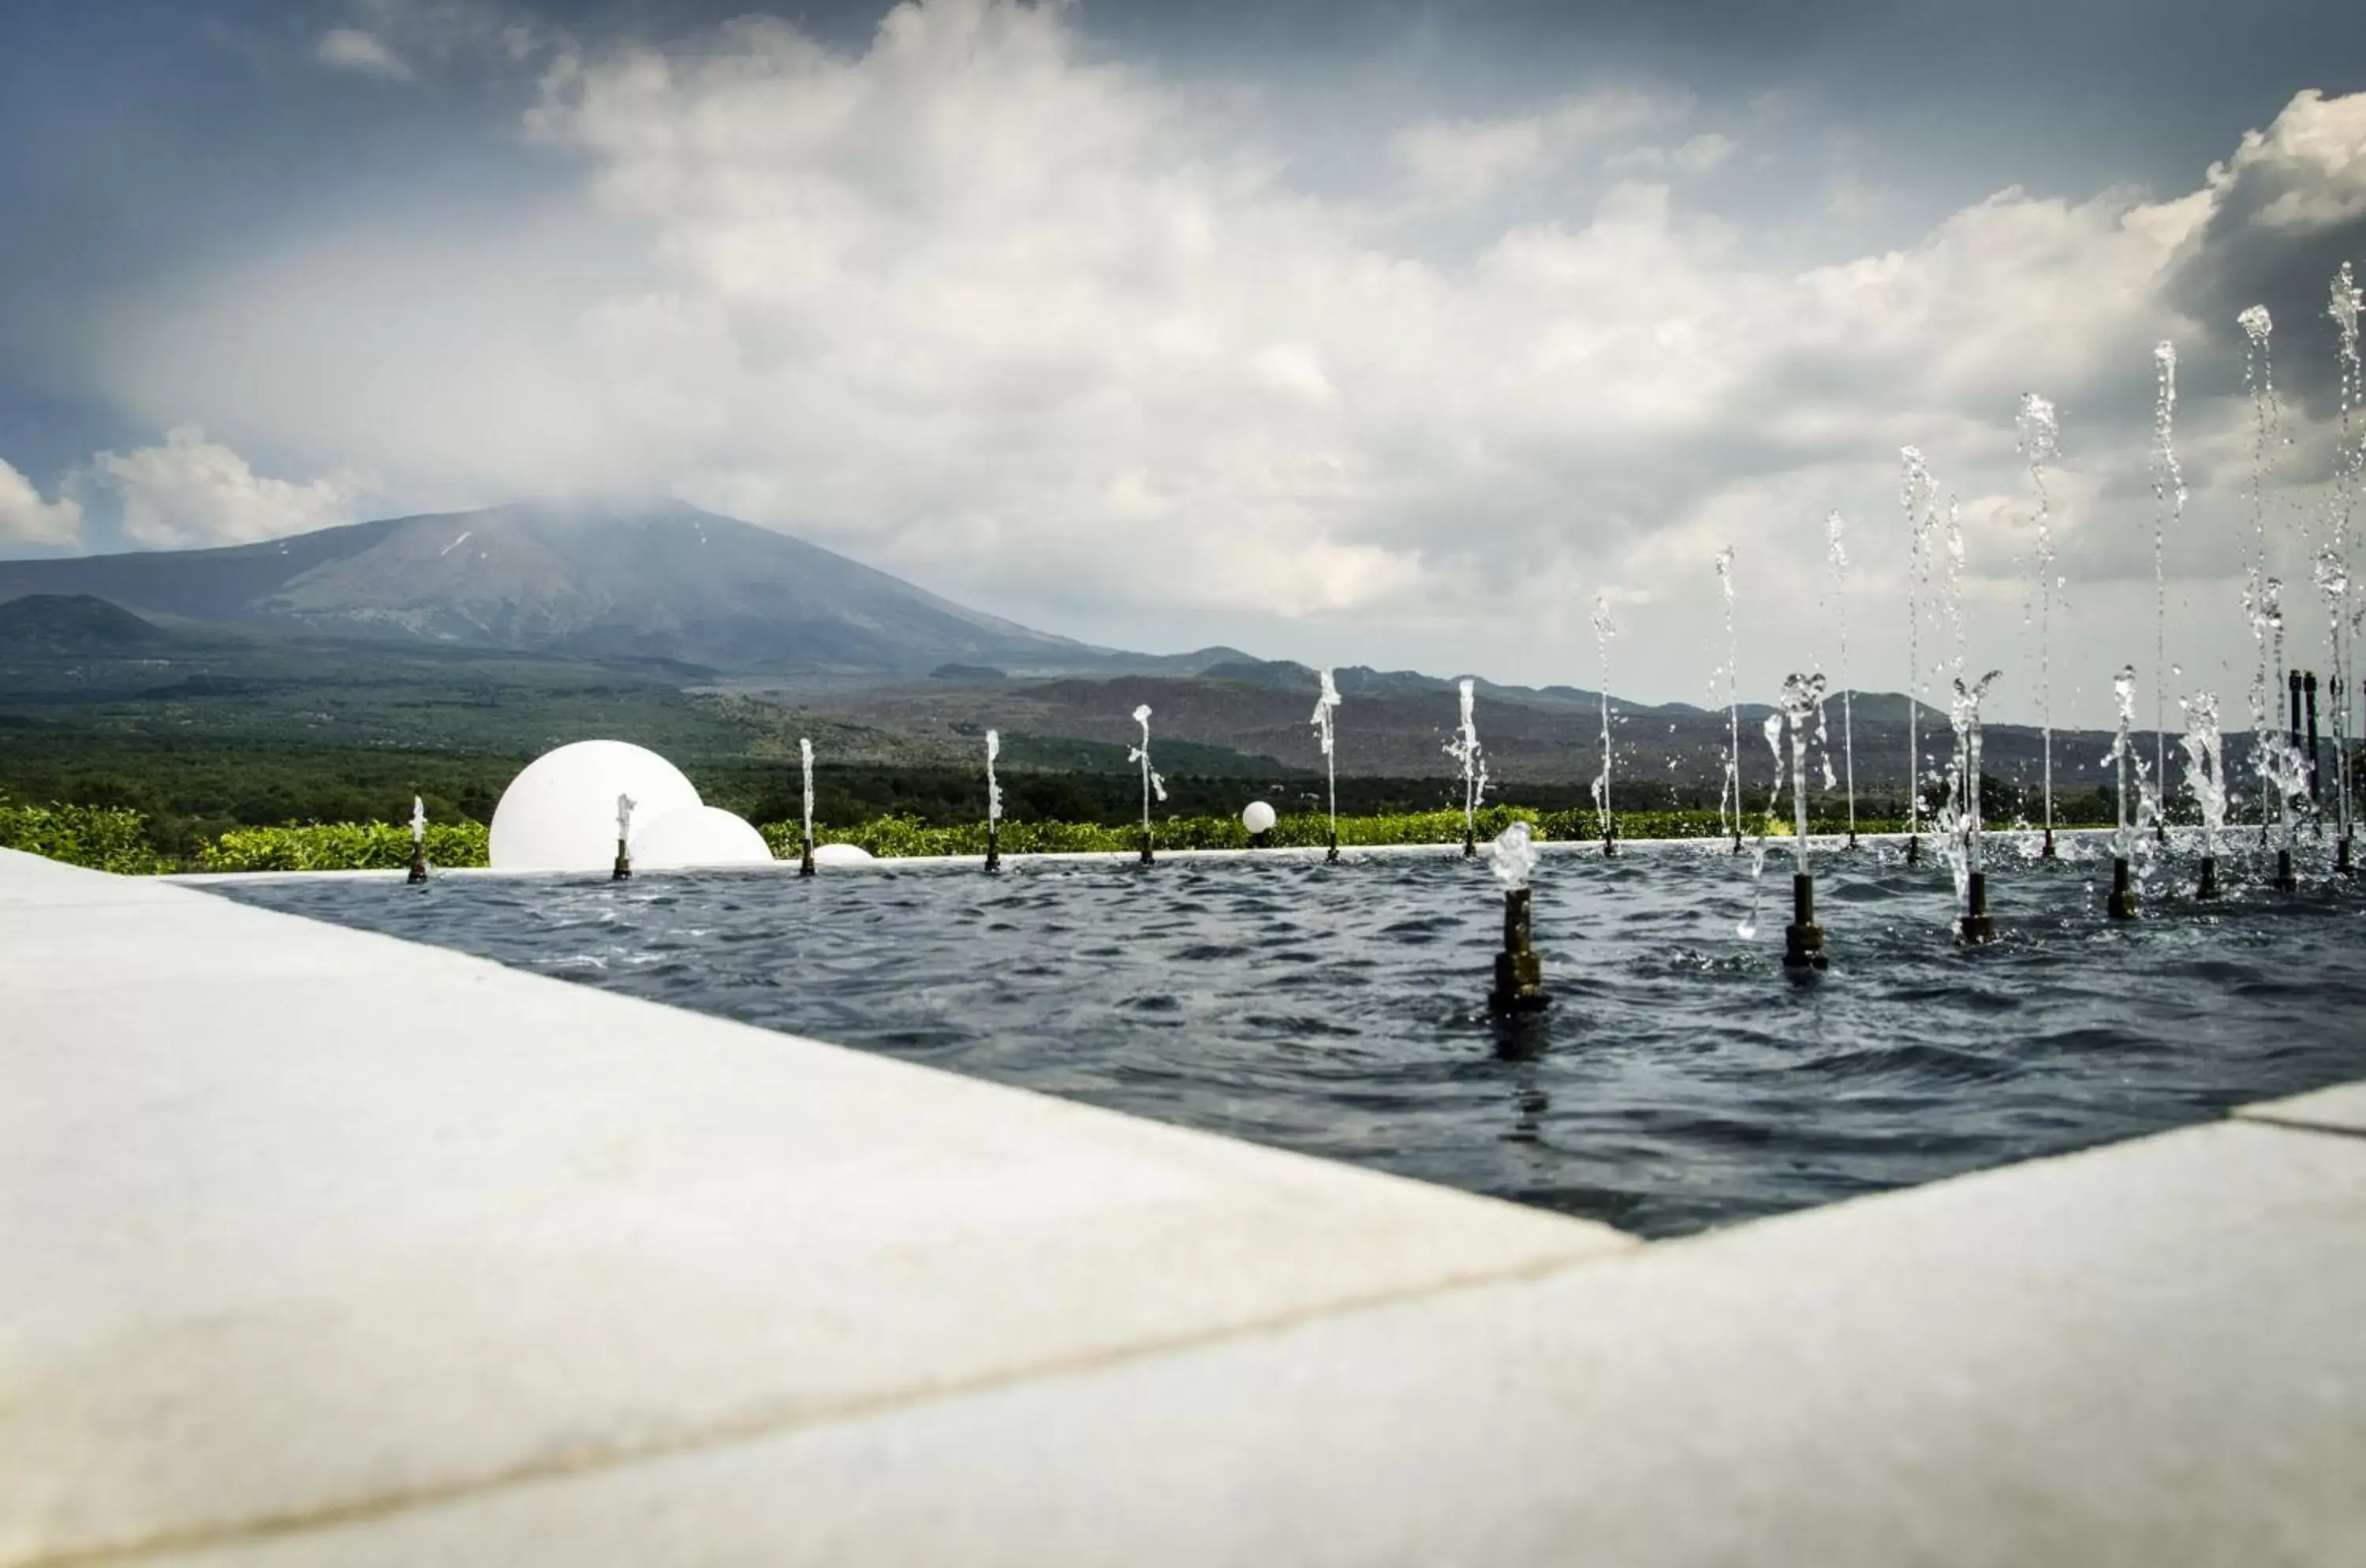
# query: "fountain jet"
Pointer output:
{"type": "Point", "coordinates": [1916, 491]}
{"type": "Point", "coordinates": [804, 755]}
{"type": "Point", "coordinates": [1151, 783]}
{"type": "Point", "coordinates": [1731, 797]}
{"type": "Point", "coordinates": [2259, 382]}
{"type": "Point", "coordinates": [1803, 940]}
{"type": "Point", "coordinates": [623, 867]}
{"type": "Point", "coordinates": [1520, 973]}
{"type": "Point", "coordinates": [1603, 630]}
{"type": "Point", "coordinates": [418, 842]}
{"type": "Point", "coordinates": [2205, 780]}
{"type": "Point", "coordinates": [1965, 839]}
{"type": "Point", "coordinates": [1324, 705]}
{"type": "Point", "coordinates": [2169, 512]}
{"type": "Point", "coordinates": [993, 803]}
{"type": "Point", "coordinates": [2333, 573]}
{"type": "Point", "coordinates": [2038, 436]}
{"type": "Point", "coordinates": [2123, 904]}
{"type": "Point", "coordinates": [1464, 749]}
{"type": "Point", "coordinates": [1838, 554]}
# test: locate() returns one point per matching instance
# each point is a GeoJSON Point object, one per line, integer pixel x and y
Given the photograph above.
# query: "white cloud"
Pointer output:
{"type": "Point", "coordinates": [351, 49]}
{"type": "Point", "coordinates": [26, 518]}
{"type": "Point", "coordinates": [191, 492]}
{"type": "Point", "coordinates": [1465, 160]}
{"type": "Point", "coordinates": [978, 298]}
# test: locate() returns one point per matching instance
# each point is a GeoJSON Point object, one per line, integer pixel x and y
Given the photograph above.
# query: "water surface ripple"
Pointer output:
{"type": "Point", "coordinates": [1679, 1082]}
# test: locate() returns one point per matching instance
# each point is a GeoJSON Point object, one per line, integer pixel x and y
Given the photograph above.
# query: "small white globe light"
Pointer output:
{"type": "Point", "coordinates": [841, 854]}
{"type": "Point", "coordinates": [1259, 817]}
{"type": "Point", "coordinates": [698, 835]}
{"type": "Point", "coordinates": [560, 814]}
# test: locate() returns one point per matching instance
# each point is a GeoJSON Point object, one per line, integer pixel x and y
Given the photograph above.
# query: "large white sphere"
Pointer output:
{"type": "Point", "coordinates": [1259, 817]}
{"type": "Point", "coordinates": [560, 813]}
{"type": "Point", "coordinates": [841, 854]}
{"type": "Point", "coordinates": [698, 835]}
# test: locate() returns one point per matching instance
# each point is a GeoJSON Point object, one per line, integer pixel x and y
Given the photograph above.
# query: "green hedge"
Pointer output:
{"type": "Point", "coordinates": [103, 838]}
{"type": "Point", "coordinates": [343, 846]}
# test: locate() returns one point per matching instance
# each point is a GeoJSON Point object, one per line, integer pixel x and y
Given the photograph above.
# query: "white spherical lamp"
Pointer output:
{"type": "Point", "coordinates": [1259, 817]}
{"type": "Point", "coordinates": [696, 836]}
{"type": "Point", "coordinates": [560, 814]}
{"type": "Point", "coordinates": [841, 854]}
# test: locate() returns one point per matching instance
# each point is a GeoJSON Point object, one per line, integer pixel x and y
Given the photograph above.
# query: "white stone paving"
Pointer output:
{"type": "Point", "coordinates": [319, 1248]}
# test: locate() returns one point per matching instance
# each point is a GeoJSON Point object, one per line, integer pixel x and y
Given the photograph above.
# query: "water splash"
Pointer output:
{"type": "Point", "coordinates": [2267, 421]}
{"type": "Point", "coordinates": [1464, 748]}
{"type": "Point", "coordinates": [1512, 856]}
{"type": "Point", "coordinates": [2206, 766]}
{"type": "Point", "coordinates": [1836, 553]}
{"type": "Point", "coordinates": [1729, 804]}
{"type": "Point", "coordinates": [2038, 438]}
{"type": "Point", "coordinates": [805, 754]}
{"type": "Point", "coordinates": [1603, 630]}
{"type": "Point", "coordinates": [624, 804]}
{"type": "Point", "coordinates": [2283, 775]}
{"type": "Point", "coordinates": [2169, 511]}
{"type": "Point", "coordinates": [1960, 819]}
{"type": "Point", "coordinates": [1772, 730]}
{"type": "Point", "coordinates": [1803, 699]}
{"type": "Point", "coordinates": [2333, 573]}
{"type": "Point", "coordinates": [418, 821]}
{"type": "Point", "coordinates": [993, 790]}
{"type": "Point", "coordinates": [2138, 796]}
{"type": "Point", "coordinates": [1325, 705]}
{"type": "Point", "coordinates": [1151, 783]}
{"type": "Point", "coordinates": [1916, 492]}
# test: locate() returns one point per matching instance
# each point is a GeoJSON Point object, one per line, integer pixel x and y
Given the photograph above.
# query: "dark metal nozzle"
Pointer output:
{"type": "Point", "coordinates": [2122, 905]}
{"type": "Point", "coordinates": [624, 863]}
{"type": "Point", "coordinates": [1520, 973]}
{"type": "Point", "coordinates": [1803, 940]}
{"type": "Point", "coordinates": [1977, 925]}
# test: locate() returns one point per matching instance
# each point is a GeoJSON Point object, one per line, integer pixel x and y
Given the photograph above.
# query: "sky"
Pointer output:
{"type": "Point", "coordinates": [1380, 333]}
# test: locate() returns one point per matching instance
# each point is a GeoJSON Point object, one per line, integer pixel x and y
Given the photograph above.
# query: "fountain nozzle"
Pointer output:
{"type": "Point", "coordinates": [1977, 925]}
{"type": "Point", "coordinates": [1331, 856]}
{"type": "Point", "coordinates": [1520, 973]}
{"type": "Point", "coordinates": [419, 863]}
{"type": "Point", "coordinates": [1803, 940]}
{"type": "Point", "coordinates": [2286, 882]}
{"type": "Point", "coordinates": [624, 869]}
{"type": "Point", "coordinates": [1146, 858]}
{"type": "Point", "coordinates": [2045, 852]}
{"type": "Point", "coordinates": [2207, 887]}
{"type": "Point", "coordinates": [1469, 843]}
{"type": "Point", "coordinates": [1914, 848]}
{"type": "Point", "coordinates": [2123, 903]}
{"type": "Point", "coordinates": [806, 860]}
{"type": "Point", "coordinates": [2341, 857]}
{"type": "Point", "coordinates": [1610, 838]}
{"type": "Point", "coordinates": [993, 847]}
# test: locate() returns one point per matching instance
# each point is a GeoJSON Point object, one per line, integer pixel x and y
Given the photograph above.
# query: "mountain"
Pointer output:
{"type": "Point", "coordinates": [656, 581]}
{"type": "Point", "coordinates": [74, 623]}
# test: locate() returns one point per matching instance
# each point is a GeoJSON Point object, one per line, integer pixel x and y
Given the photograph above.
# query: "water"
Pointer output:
{"type": "Point", "coordinates": [1465, 750]}
{"type": "Point", "coordinates": [1916, 491]}
{"type": "Point", "coordinates": [2259, 383]}
{"type": "Point", "coordinates": [1151, 783]}
{"type": "Point", "coordinates": [2169, 512]}
{"type": "Point", "coordinates": [1730, 799]}
{"type": "Point", "coordinates": [1677, 1082]}
{"type": "Point", "coordinates": [993, 790]}
{"type": "Point", "coordinates": [2206, 766]}
{"type": "Point", "coordinates": [1836, 553]}
{"type": "Point", "coordinates": [2333, 573]}
{"type": "Point", "coordinates": [1603, 630]}
{"type": "Point", "coordinates": [804, 755]}
{"type": "Point", "coordinates": [1325, 705]}
{"type": "Point", "coordinates": [2038, 436]}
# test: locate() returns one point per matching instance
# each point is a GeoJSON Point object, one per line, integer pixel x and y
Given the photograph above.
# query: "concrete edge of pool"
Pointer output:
{"type": "Point", "coordinates": [326, 1248]}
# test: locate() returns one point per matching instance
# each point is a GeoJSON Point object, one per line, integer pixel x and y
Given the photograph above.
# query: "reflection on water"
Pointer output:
{"type": "Point", "coordinates": [1678, 1083]}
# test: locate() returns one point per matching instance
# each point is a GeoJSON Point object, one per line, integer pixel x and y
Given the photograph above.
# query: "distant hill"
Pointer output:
{"type": "Point", "coordinates": [74, 623]}
{"type": "Point", "coordinates": [663, 581]}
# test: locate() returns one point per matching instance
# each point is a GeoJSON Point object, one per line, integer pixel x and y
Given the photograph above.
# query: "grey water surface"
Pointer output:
{"type": "Point", "coordinates": [1678, 1082]}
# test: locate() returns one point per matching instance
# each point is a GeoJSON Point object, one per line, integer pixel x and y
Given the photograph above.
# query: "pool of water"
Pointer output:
{"type": "Point", "coordinates": [1678, 1082]}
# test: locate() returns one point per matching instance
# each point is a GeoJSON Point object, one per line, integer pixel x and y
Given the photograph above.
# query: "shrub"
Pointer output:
{"type": "Point", "coordinates": [343, 846]}
{"type": "Point", "coordinates": [104, 838]}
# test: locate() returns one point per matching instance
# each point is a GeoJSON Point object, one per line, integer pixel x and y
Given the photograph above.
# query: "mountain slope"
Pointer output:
{"type": "Point", "coordinates": [661, 580]}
